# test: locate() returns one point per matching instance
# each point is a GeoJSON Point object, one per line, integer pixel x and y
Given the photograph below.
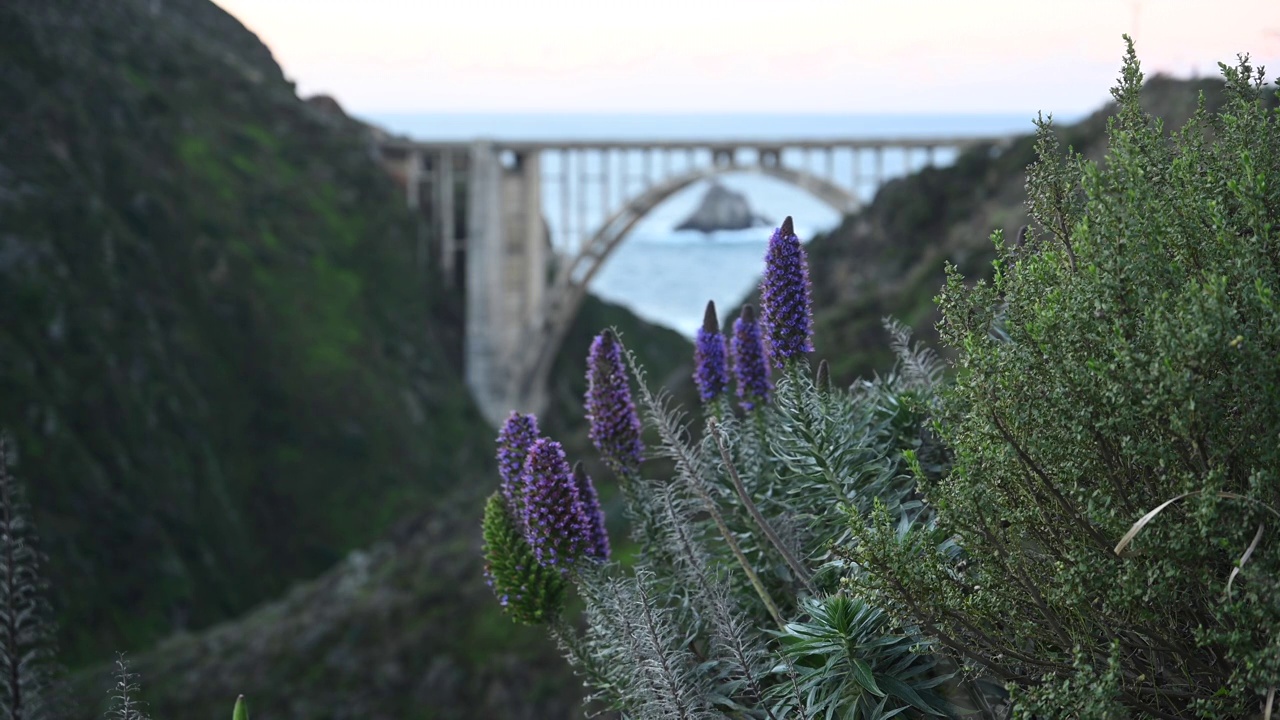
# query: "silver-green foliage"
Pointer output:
{"type": "Point", "coordinates": [848, 446]}
{"type": "Point", "coordinates": [125, 703]}
{"type": "Point", "coordinates": [634, 634]}
{"type": "Point", "coordinates": [125, 696]}
{"type": "Point", "coordinates": [740, 539]}
{"type": "Point", "coordinates": [28, 688]}
{"type": "Point", "coordinates": [1126, 355]}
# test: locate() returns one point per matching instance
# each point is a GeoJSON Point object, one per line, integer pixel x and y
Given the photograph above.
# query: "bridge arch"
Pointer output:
{"type": "Point", "coordinates": [574, 275]}
{"type": "Point", "coordinates": [481, 202]}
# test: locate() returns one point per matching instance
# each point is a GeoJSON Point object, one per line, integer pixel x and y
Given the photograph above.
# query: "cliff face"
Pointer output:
{"type": "Point", "coordinates": [224, 358]}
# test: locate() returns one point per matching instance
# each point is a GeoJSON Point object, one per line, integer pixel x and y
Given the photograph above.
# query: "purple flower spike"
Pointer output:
{"type": "Point", "coordinates": [514, 440]}
{"type": "Point", "coordinates": [598, 545]}
{"type": "Point", "coordinates": [784, 296]}
{"type": "Point", "coordinates": [711, 367]}
{"type": "Point", "coordinates": [554, 521]}
{"type": "Point", "coordinates": [615, 426]}
{"type": "Point", "coordinates": [749, 364]}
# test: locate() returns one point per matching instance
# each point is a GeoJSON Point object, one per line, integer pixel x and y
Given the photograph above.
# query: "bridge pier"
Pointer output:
{"type": "Point", "coordinates": [507, 258]}
{"type": "Point", "coordinates": [446, 214]}
{"type": "Point", "coordinates": [413, 179]}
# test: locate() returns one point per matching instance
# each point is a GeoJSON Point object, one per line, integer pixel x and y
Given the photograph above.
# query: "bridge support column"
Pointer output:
{"type": "Point", "coordinates": [857, 173]}
{"type": "Point", "coordinates": [446, 215]}
{"type": "Point", "coordinates": [507, 258]}
{"type": "Point", "coordinates": [413, 179]}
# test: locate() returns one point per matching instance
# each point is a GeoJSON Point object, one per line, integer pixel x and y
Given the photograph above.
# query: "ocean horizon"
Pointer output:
{"type": "Point", "coordinates": [672, 126]}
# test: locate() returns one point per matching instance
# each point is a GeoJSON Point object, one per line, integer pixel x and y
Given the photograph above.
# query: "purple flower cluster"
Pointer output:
{"type": "Point", "coordinates": [614, 424]}
{"type": "Point", "coordinates": [598, 536]}
{"type": "Point", "coordinates": [515, 438]}
{"type": "Point", "coordinates": [784, 296]}
{"type": "Point", "coordinates": [749, 366]}
{"type": "Point", "coordinates": [710, 357]}
{"type": "Point", "coordinates": [555, 520]}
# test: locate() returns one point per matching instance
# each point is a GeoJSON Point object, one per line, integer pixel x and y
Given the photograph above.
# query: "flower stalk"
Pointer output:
{"type": "Point", "coordinates": [614, 424]}
{"type": "Point", "coordinates": [710, 358]}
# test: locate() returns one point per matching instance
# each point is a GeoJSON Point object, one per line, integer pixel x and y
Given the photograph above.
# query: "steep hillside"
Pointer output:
{"type": "Point", "coordinates": [224, 365]}
{"type": "Point", "coordinates": [889, 258]}
{"type": "Point", "coordinates": [402, 629]}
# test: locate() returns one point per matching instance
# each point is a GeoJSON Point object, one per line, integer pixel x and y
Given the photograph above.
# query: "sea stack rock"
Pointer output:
{"type": "Point", "coordinates": [722, 209]}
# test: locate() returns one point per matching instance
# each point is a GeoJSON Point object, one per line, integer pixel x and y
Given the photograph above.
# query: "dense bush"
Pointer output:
{"type": "Point", "coordinates": [1125, 356]}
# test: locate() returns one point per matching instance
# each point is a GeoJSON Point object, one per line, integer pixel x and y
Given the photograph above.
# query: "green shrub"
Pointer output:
{"type": "Point", "coordinates": [1126, 355]}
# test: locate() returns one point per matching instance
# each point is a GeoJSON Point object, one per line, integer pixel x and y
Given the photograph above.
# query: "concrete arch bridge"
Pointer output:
{"type": "Point", "coordinates": [487, 214]}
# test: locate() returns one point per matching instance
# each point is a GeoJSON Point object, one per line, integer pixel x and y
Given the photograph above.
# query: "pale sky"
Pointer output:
{"type": "Point", "coordinates": [698, 56]}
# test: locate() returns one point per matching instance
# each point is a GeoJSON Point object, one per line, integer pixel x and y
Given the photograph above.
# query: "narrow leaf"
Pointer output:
{"type": "Point", "coordinates": [1142, 522]}
{"type": "Point", "coordinates": [241, 711]}
{"type": "Point", "coordinates": [899, 689]}
{"type": "Point", "coordinates": [1245, 558]}
{"type": "Point", "coordinates": [862, 674]}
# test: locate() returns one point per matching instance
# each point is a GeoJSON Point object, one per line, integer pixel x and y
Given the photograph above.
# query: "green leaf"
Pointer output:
{"type": "Point", "coordinates": [241, 711]}
{"type": "Point", "coordinates": [903, 691]}
{"type": "Point", "coordinates": [863, 676]}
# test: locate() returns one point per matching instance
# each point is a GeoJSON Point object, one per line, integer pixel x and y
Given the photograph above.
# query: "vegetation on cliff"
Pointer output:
{"type": "Point", "coordinates": [889, 258]}
{"type": "Point", "coordinates": [222, 359]}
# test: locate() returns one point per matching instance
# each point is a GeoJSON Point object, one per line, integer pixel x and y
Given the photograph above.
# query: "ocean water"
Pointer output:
{"type": "Point", "coordinates": [589, 126]}
{"type": "Point", "coordinates": [666, 276]}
